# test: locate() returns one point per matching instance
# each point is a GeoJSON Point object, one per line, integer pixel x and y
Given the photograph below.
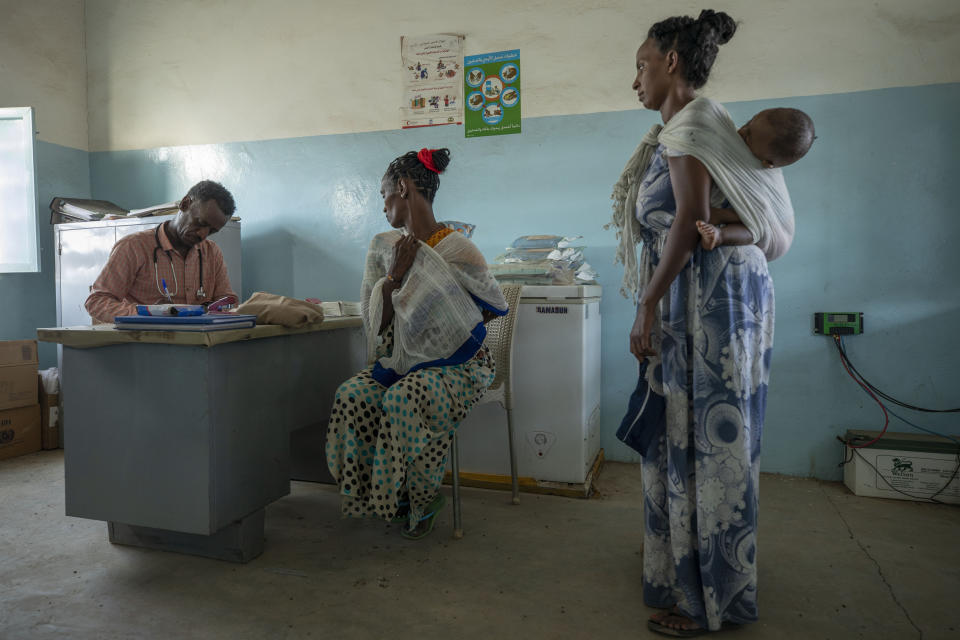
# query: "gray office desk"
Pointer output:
{"type": "Point", "coordinates": [180, 439]}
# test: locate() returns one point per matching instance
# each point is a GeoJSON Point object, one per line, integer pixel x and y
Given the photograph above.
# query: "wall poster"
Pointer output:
{"type": "Point", "coordinates": [432, 80]}
{"type": "Point", "coordinates": [492, 91]}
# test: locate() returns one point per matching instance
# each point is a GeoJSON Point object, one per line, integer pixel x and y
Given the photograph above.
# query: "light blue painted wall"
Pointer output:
{"type": "Point", "coordinates": [876, 232]}
{"type": "Point", "coordinates": [29, 298]}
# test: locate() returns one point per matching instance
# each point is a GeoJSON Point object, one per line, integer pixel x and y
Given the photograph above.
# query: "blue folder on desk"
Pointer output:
{"type": "Point", "coordinates": [205, 322]}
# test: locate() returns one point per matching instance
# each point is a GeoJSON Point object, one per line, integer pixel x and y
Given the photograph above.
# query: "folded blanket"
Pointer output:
{"type": "Point", "coordinates": [273, 309]}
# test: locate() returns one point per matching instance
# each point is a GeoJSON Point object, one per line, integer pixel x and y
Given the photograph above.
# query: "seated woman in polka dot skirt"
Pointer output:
{"type": "Point", "coordinates": [425, 298]}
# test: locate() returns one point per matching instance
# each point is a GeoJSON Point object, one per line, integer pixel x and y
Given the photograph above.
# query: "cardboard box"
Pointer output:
{"type": "Point", "coordinates": [49, 417]}
{"type": "Point", "coordinates": [19, 431]}
{"type": "Point", "coordinates": [904, 466]}
{"type": "Point", "coordinates": [18, 373]}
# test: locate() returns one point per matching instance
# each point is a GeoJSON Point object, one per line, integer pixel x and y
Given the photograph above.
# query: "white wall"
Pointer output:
{"type": "Point", "coordinates": [42, 65]}
{"type": "Point", "coordinates": [191, 72]}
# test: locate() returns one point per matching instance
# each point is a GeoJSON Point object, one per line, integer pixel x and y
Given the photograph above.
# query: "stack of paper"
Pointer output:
{"type": "Point", "coordinates": [82, 210]}
{"type": "Point", "coordinates": [338, 308]}
{"type": "Point", "coordinates": [206, 322]}
{"type": "Point", "coordinates": [156, 210]}
{"type": "Point", "coordinates": [542, 260]}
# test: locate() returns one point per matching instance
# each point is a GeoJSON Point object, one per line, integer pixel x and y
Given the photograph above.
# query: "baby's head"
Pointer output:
{"type": "Point", "coordinates": [778, 137]}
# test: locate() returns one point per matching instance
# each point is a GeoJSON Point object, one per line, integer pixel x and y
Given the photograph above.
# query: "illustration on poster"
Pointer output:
{"type": "Point", "coordinates": [492, 93]}
{"type": "Point", "coordinates": [492, 88]}
{"type": "Point", "coordinates": [431, 70]}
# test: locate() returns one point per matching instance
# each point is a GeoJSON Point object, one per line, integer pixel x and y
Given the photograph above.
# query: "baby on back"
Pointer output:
{"type": "Point", "coordinates": [777, 138]}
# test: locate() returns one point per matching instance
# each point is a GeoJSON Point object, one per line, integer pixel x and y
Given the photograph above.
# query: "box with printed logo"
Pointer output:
{"type": "Point", "coordinates": [19, 431]}
{"type": "Point", "coordinates": [904, 466]}
{"type": "Point", "coordinates": [18, 373]}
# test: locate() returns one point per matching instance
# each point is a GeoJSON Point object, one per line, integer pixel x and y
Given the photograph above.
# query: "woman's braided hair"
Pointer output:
{"type": "Point", "coordinates": [410, 166]}
{"type": "Point", "coordinates": [695, 41]}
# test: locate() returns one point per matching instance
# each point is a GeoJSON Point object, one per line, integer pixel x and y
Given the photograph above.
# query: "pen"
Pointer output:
{"type": "Point", "coordinates": [163, 283]}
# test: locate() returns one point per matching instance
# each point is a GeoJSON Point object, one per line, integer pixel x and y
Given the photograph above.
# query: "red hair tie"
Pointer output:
{"type": "Point", "coordinates": [425, 156]}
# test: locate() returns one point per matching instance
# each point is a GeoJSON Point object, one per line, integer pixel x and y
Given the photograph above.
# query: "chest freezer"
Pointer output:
{"type": "Point", "coordinates": [556, 391]}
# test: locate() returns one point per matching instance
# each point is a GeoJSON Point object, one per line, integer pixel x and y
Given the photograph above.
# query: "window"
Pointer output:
{"type": "Point", "coordinates": [19, 240]}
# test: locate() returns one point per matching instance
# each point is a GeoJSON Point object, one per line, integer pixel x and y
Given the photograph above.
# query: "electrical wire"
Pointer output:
{"type": "Point", "coordinates": [846, 460]}
{"type": "Point", "coordinates": [886, 418]}
{"type": "Point", "coordinates": [839, 340]}
{"type": "Point", "coordinates": [916, 426]}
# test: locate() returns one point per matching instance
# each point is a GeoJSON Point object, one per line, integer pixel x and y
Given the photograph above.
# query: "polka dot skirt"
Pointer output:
{"type": "Point", "coordinates": [387, 446]}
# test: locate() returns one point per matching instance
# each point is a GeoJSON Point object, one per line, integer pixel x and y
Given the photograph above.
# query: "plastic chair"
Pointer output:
{"type": "Point", "coordinates": [500, 342]}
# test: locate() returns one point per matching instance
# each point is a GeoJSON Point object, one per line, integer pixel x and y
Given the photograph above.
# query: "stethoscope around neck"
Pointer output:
{"type": "Point", "coordinates": [156, 271]}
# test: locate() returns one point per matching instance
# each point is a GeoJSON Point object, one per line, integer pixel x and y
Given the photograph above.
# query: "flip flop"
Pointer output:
{"type": "Point", "coordinates": [663, 629]}
{"type": "Point", "coordinates": [430, 518]}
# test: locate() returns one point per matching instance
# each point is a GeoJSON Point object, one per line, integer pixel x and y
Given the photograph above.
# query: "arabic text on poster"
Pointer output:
{"type": "Point", "coordinates": [432, 80]}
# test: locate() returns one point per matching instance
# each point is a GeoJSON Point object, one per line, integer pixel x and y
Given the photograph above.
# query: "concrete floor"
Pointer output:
{"type": "Point", "coordinates": [832, 565]}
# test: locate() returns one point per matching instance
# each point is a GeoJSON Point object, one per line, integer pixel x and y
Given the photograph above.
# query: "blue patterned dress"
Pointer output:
{"type": "Point", "coordinates": [701, 479]}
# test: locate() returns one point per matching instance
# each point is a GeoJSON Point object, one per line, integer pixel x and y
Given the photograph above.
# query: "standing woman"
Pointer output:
{"type": "Point", "coordinates": [425, 296]}
{"type": "Point", "coordinates": [705, 321]}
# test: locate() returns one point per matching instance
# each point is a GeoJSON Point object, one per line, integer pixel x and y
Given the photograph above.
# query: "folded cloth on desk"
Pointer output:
{"type": "Point", "coordinates": [273, 309]}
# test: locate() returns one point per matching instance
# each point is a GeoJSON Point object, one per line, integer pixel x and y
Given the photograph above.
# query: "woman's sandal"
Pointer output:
{"type": "Point", "coordinates": [662, 629]}
{"type": "Point", "coordinates": [425, 526]}
{"type": "Point", "coordinates": [658, 626]}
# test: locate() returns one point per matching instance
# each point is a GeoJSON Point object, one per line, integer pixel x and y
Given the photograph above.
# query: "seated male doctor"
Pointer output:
{"type": "Point", "coordinates": [173, 263]}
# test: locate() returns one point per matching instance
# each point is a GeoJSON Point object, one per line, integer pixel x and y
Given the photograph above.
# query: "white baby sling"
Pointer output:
{"type": "Point", "coordinates": [705, 130]}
